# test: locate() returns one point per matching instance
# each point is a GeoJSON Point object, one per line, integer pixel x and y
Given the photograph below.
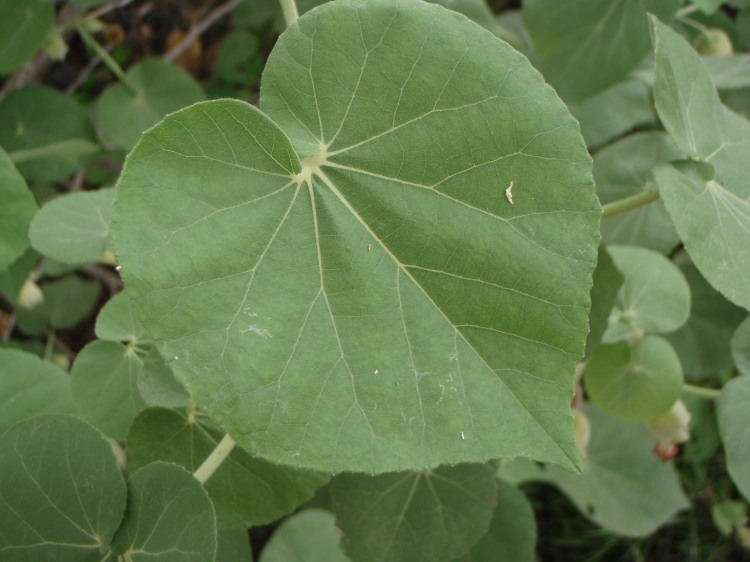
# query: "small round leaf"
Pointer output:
{"type": "Point", "coordinates": [637, 381]}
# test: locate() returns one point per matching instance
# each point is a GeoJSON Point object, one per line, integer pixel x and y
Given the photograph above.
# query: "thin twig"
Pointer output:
{"type": "Point", "coordinates": [198, 29]}
{"type": "Point", "coordinates": [101, 10]}
{"type": "Point", "coordinates": [112, 281]}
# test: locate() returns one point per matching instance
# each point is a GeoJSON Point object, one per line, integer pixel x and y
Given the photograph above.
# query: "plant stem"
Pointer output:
{"type": "Point", "coordinates": [105, 56]}
{"type": "Point", "coordinates": [686, 11]}
{"type": "Point", "coordinates": [630, 203]}
{"type": "Point", "coordinates": [289, 7]}
{"type": "Point", "coordinates": [700, 391]}
{"type": "Point", "coordinates": [214, 460]}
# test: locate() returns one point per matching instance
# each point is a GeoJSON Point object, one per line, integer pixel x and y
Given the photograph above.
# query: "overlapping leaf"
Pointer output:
{"type": "Point", "coordinates": [357, 292]}
{"type": "Point", "coordinates": [624, 487]}
{"type": "Point", "coordinates": [580, 42]}
{"type": "Point", "coordinates": [62, 495]}
{"type": "Point", "coordinates": [734, 420]}
{"type": "Point", "coordinates": [17, 207]}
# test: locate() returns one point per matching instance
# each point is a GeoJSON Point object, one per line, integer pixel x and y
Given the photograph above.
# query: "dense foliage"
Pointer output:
{"type": "Point", "coordinates": [374, 279]}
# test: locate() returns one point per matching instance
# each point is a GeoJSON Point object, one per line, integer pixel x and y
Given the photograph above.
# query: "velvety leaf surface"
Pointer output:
{"type": "Point", "coordinates": [104, 381]}
{"type": "Point", "coordinates": [66, 302]}
{"type": "Point", "coordinates": [511, 536]}
{"type": "Point", "coordinates": [686, 99]}
{"type": "Point", "coordinates": [729, 73]}
{"type": "Point", "coordinates": [117, 321]}
{"type": "Point", "coordinates": [158, 385]}
{"type": "Point", "coordinates": [623, 169]}
{"type": "Point", "coordinates": [30, 386]}
{"type": "Point", "coordinates": [162, 88]}
{"type": "Point", "coordinates": [635, 382]}
{"type": "Point", "coordinates": [37, 117]}
{"type": "Point", "coordinates": [607, 283]}
{"type": "Point", "coordinates": [169, 517]}
{"type": "Point", "coordinates": [429, 515]}
{"type": "Point", "coordinates": [519, 471]}
{"type": "Point", "coordinates": [74, 228]}
{"type": "Point", "coordinates": [245, 491]}
{"type": "Point", "coordinates": [734, 420]}
{"type": "Point", "coordinates": [579, 43]}
{"type": "Point", "coordinates": [713, 222]}
{"type": "Point", "coordinates": [624, 486]}
{"type": "Point", "coordinates": [62, 495]}
{"type": "Point", "coordinates": [233, 546]}
{"type": "Point", "coordinates": [360, 308]}
{"type": "Point", "coordinates": [614, 111]}
{"type": "Point", "coordinates": [307, 536]}
{"type": "Point", "coordinates": [17, 207]}
{"type": "Point", "coordinates": [14, 276]}
{"type": "Point", "coordinates": [741, 347]}
{"type": "Point", "coordinates": [23, 29]}
{"type": "Point", "coordinates": [655, 297]}
{"type": "Point", "coordinates": [703, 342]}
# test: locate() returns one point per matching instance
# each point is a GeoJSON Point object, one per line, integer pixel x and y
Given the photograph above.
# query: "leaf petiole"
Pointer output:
{"type": "Point", "coordinates": [103, 54]}
{"type": "Point", "coordinates": [630, 203]}
{"type": "Point", "coordinates": [703, 392]}
{"type": "Point", "coordinates": [214, 460]}
{"type": "Point", "coordinates": [291, 15]}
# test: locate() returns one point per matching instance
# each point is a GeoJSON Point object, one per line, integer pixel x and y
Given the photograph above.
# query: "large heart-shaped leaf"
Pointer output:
{"type": "Point", "coordinates": [351, 289]}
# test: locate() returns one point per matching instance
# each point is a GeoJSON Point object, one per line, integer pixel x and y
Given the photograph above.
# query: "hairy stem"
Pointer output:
{"type": "Point", "coordinates": [630, 203]}
{"type": "Point", "coordinates": [700, 391]}
{"type": "Point", "coordinates": [289, 7]}
{"type": "Point", "coordinates": [214, 460]}
{"type": "Point", "coordinates": [105, 56]}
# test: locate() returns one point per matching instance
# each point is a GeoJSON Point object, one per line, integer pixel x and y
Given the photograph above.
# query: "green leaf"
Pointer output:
{"type": "Point", "coordinates": [730, 72]}
{"type": "Point", "coordinates": [103, 379]}
{"type": "Point", "coordinates": [624, 487]}
{"type": "Point", "coordinates": [703, 341]}
{"type": "Point", "coordinates": [158, 385]}
{"type": "Point", "coordinates": [117, 321]}
{"type": "Point", "coordinates": [623, 169]}
{"type": "Point", "coordinates": [67, 151]}
{"type": "Point", "coordinates": [67, 301]}
{"type": "Point", "coordinates": [23, 29]}
{"type": "Point", "coordinates": [511, 536]}
{"type": "Point", "coordinates": [17, 208]}
{"type": "Point", "coordinates": [728, 515]}
{"type": "Point", "coordinates": [35, 117]}
{"type": "Point", "coordinates": [307, 536]}
{"type": "Point", "coordinates": [428, 515]}
{"type": "Point", "coordinates": [61, 494]}
{"type": "Point", "coordinates": [169, 517]}
{"type": "Point", "coordinates": [614, 111]}
{"type": "Point", "coordinates": [734, 419]}
{"type": "Point", "coordinates": [607, 283]}
{"type": "Point", "coordinates": [741, 347]}
{"type": "Point", "coordinates": [655, 297]}
{"type": "Point", "coordinates": [13, 278]}
{"type": "Point", "coordinates": [579, 43]}
{"type": "Point", "coordinates": [713, 222]}
{"type": "Point", "coordinates": [245, 491]}
{"type": "Point", "coordinates": [162, 88]}
{"type": "Point", "coordinates": [74, 228]}
{"type": "Point", "coordinates": [31, 386]}
{"type": "Point", "coordinates": [233, 546]}
{"type": "Point", "coordinates": [708, 6]}
{"type": "Point", "coordinates": [635, 382]}
{"type": "Point", "coordinates": [360, 309]}
{"type": "Point", "coordinates": [685, 97]}
{"type": "Point", "coordinates": [519, 471]}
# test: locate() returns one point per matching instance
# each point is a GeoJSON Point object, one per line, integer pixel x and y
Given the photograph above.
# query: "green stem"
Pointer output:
{"type": "Point", "coordinates": [49, 347]}
{"type": "Point", "coordinates": [686, 11]}
{"type": "Point", "coordinates": [700, 391]}
{"type": "Point", "coordinates": [289, 7]}
{"type": "Point", "coordinates": [105, 56]}
{"type": "Point", "coordinates": [214, 460]}
{"type": "Point", "coordinates": [630, 203]}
